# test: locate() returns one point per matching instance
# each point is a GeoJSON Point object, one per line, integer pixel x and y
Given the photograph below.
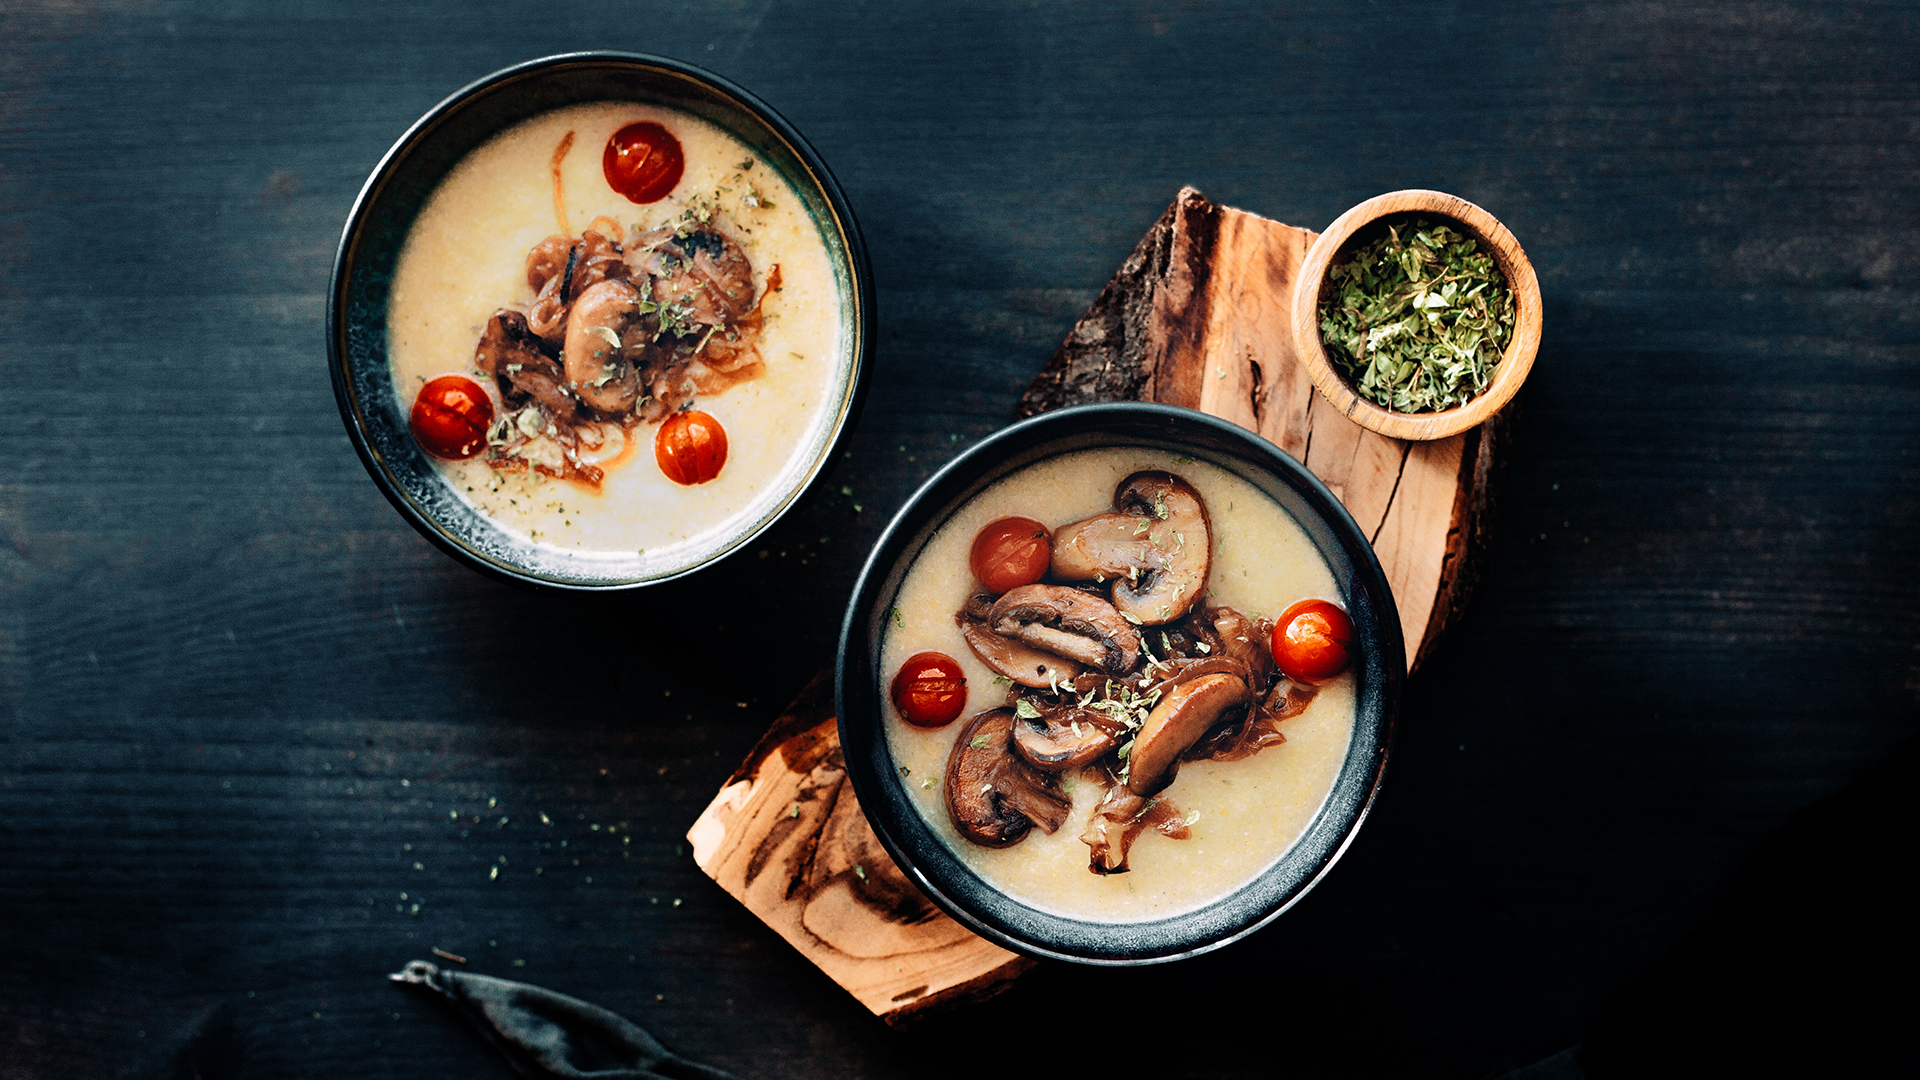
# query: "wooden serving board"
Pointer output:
{"type": "Point", "coordinates": [1198, 316]}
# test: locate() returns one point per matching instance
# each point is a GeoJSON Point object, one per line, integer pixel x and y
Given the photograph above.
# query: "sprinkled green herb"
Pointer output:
{"type": "Point", "coordinates": [897, 619]}
{"type": "Point", "coordinates": [980, 742]}
{"type": "Point", "coordinates": [1418, 317]}
{"type": "Point", "coordinates": [1025, 710]}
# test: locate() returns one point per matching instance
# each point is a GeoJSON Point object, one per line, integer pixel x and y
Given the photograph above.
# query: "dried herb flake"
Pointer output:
{"type": "Point", "coordinates": [1418, 317]}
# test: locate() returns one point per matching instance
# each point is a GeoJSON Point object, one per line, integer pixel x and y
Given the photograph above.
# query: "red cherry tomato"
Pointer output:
{"type": "Point", "coordinates": [1313, 641]}
{"type": "Point", "coordinates": [643, 162]}
{"type": "Point", "coordinates": [1011, 552]}
{"type": "Point", "coordinates": [930, 690]}
{"type": "Point", "coordinates": [450, 417]}
{"type": "Point", "coordinates": [691, 447]}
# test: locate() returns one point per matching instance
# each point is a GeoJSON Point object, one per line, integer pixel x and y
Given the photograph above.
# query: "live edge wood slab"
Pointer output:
{"type": "Point", "coordinates": [1199, 316]}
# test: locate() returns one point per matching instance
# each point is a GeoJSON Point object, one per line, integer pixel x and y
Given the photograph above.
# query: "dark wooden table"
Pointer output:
{"type": "Point", "coordinates": [260, 743]}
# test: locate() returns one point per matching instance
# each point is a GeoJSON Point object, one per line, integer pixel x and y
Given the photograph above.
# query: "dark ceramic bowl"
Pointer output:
{"type": "Point", "coordinates": [925, 856]}
{"type": "Point", "coordinates": [377, 229]}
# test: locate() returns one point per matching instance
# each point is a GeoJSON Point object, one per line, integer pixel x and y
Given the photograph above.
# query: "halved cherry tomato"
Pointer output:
{"type": "Point", "coordinates": [1011, 552]}
{"type": "Point", "coordinates": [691, 447]}
{"type": "Point", "coordinates": [643, 162]}
{"type": "Point", "coordinates": [450, 417]}
{"type": "Point", "coordinates": [1313, 641]}
{"type": "Point", "coordinates": [930, 690]}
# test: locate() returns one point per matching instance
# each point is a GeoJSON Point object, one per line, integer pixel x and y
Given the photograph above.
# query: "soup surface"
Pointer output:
{"type": "Point", "coordinates": [1244, 814]}
{"type": "Point", "coordinates": [466, 257]}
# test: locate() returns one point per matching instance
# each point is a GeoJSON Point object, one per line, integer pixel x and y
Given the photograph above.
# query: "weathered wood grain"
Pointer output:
{"type": "Point", "coordinates": [786, 838]}
{"type": "Point", "coordinates": [1210, 290]}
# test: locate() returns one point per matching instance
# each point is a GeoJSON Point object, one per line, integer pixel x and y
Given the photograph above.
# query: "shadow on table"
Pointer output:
{"type": "Point", "coordinates": [1807, 970]}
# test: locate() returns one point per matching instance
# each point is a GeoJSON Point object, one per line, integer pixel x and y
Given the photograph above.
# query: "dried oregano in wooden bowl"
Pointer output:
{"type": "Point", "coordinates": [1417, 314]}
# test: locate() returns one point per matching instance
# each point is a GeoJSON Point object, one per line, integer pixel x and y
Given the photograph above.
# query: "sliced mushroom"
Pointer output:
{"type": "Point", "coordinates": [606, 330]}
{"type": "Point", "coordinates": [1177, 722]}
{"type": "Point", "coordinates": [1017, 660]}
{"type": "Point", "coordinates": [1260, 729]}
{"type": "Point", "coordinates": [994, 796]}
{"type": "Point", "coordinates": [560, 270]}
{"type": "Point", "coordinates": [1119, 820]}
{"type": "Point", "coordinates": [548, 260]}
{"type": "Point", "coordinates": [1155, 545]}
{"type": "Point", "coordinates": [703, 277]}
{"type": "Point", "coordinates": [1244, 639]}
{"type": "Point", "coordinates": [1069, 623]}
{"type": "Point", "coordinates": [513, 354]}
{"type": "Point", "coordinates": [1024, 664]}
{"type": "Point", "coordinates": [1175, 673]}
{"type": "Point", "coordinates": [1058, 739]}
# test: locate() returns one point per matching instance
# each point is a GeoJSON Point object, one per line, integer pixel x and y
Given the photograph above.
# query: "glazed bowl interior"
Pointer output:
{"type": "Point", "coordinates": [925, 856]}
{"type": "Point", "coordinates": [376, 233]}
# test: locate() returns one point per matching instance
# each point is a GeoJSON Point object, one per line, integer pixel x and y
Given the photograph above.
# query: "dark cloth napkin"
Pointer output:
{"type": "Point", "coordinates": [547, 1035]}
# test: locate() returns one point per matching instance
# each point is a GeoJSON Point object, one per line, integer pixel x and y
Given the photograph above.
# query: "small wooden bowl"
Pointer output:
{"type": "Point", "coordinates": [1514, 364]}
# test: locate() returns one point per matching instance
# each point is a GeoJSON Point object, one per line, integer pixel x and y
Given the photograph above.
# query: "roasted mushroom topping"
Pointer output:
{"type": "Point", "coordinates": [995, 797]}
{"type": "Point", "coordinates": [560, 269]}
{"type": "Point", "coordinates": [1177, 722]}
{"type": "Point", "coordinates": [1069, 623]}
{"type": "Point", "coordinates": [703, 278]}
{"type": "Point", "coordinates": [606, 333]}
{"type": "Point", "coordinates": [513, 354]}
{"type": "Point", "coordinates": [1155, 545]}
{"type": "Point", "coordinates": [1017, 660]}
{"type": "Point", "coordinates": [1259, 729]}
{"type": "Point", "coordinates": [1057, 738]}
{"type": "Point", "coordinates": [1119, 820]}
{"type": "Point", "coordinates": [1243, 639]}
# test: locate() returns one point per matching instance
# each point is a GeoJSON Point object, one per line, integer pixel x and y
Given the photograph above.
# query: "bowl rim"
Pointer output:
{"type": "Point", "coordinates": [861, 298]}
{"type": "Point", "coordinates": [1515, 362]}
{"type": "Point", "coordinates": [1241, 911]}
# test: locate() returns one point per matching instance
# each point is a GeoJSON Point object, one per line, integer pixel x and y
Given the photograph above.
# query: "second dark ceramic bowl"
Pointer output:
{"type": "Point", "coordinates": [925, 857]}
{"type": "Point", "coordinates": [377, 230]}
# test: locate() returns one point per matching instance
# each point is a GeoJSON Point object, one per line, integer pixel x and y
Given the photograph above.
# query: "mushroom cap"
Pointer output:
{"type": "Point", "coordinates": [1156, 545]}
{"type": "Point", "coordinates": [1177, 722]}
{"type": "Point", "coordinates": [1261, 729]}
{"type": "Point", "coordinates": [1070, 623]}
{"type": "Point", "coordinates": [995, 797]}
{"type": "Point", "coordinates": [513, 354]}
{"type": "Point", "coordinates": [700, 271]}
{"type": "Point", "coordinates": [1065, 738]}
{"type": "Point", "coordinates": [1172, 674]}
{"type": "Point", "coordinates": [1015, 659]}
{"type": "Point", "coordinates": [599, 340]}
